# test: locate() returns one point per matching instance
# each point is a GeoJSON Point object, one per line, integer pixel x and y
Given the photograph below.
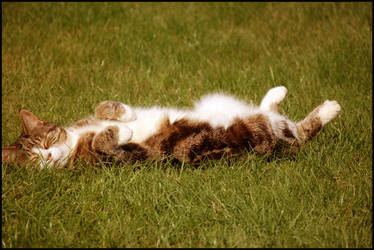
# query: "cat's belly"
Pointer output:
{"type": "Point", "coordinates": [142, 130]}
{"type": "Point", "coordinates": [147, 123]}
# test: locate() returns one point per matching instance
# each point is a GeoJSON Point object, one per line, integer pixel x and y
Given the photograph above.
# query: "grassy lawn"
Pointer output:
{"type": "Point", "coordinates": [59, 60]}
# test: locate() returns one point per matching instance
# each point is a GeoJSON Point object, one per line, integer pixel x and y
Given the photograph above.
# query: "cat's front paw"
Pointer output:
{"type": "Point", "coordinates": [124, 134]}
{"type": "Point", "coordinates": [110, 110]}
{"type": "Point", "coordinates": [112, 136]}
{"type": "Point", "coordinates": [328, 111]}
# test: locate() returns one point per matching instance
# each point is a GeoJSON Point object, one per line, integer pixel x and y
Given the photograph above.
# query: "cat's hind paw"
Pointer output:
{"type": "Point", "coordinates": [328, 111]}
{"type": "Point", "coordinates": [277, 94]}
{"type": "Point", "coordinates": [273, 98]}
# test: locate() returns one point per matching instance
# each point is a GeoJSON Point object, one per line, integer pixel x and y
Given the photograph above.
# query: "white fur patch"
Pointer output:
{"type": "Point", "coordinates": [328, 111]}
{"type": "Point", "coordinates": [221, 110]}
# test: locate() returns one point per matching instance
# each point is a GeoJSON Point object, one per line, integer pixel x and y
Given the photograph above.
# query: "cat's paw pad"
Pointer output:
{"type": "Point", "coordinates": [328, 111]}
{"type": "Point", "coordinates": [110, 110]}
{"type": "Point", "coordinates": [124, 134]}
{"type": "Point", "coordinates": [277, 94]}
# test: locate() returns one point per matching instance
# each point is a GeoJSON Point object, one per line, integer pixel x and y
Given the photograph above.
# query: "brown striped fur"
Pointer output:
{"type": "Point", "coordinates": [84, 150]}
{"type": "Point", "coordinates": [191, 141]}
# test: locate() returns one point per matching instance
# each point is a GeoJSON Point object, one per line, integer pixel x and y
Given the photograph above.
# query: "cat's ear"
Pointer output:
{"type": "Point", "coordinates": [12, 153]}
{"type": "Point", "coordinates": [30, 121]}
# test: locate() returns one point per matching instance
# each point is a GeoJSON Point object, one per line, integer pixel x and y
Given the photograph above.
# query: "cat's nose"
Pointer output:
{"type": "Point", "coordinates": [49, 157]}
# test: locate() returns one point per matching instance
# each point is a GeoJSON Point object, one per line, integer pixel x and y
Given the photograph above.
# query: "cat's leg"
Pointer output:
{"type": "Point", "coordinates": [110, 110]}
{"type": "Point", "coordinates": [108, 142]}
{"type": "Point", "coordinates": [295, 134]}
{"type": "Point", "coordinates": [273, 98]}
{"type": "Point", "coordinates": [111, 137]}
{"type": "Point", "coordinates": [317, 119]}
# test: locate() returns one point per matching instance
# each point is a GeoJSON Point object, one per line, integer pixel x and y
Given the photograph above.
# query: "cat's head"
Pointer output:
{"type": "Point", "coordinates": [40, 142]}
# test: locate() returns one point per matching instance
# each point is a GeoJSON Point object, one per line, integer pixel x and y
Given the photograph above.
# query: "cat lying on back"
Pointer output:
{"type": "Point", "coordinates": [217, 126]}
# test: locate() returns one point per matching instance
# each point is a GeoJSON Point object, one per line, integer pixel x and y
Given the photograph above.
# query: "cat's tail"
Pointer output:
{"type": "Point", "coordinates": [317, 119]}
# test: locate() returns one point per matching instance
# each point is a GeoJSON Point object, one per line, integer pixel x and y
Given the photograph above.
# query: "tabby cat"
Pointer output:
{"type": "Point", "coordinates": [217, 126]}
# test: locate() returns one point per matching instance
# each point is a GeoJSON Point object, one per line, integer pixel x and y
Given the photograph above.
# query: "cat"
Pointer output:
{"type": "Point", "coordinates": [217, 126]}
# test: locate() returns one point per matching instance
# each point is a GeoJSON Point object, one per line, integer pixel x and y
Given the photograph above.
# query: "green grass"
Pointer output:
{"type": "Point", "coordinates": [59, 60]}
